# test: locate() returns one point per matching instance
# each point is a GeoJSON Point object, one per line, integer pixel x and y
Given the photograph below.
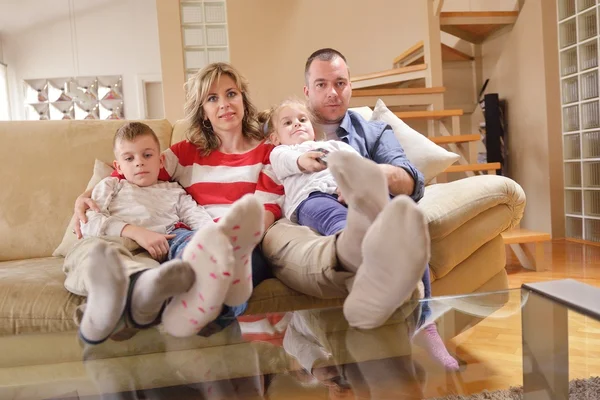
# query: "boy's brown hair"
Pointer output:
{"type": "Point", "coordinates": [132, 130]}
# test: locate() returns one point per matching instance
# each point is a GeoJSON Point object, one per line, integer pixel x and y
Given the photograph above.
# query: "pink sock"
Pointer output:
{"type": "Point", "coordinates": [429, 339]}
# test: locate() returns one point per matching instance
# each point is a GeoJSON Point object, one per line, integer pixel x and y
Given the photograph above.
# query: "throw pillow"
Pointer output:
{"type": "Point", "coordinates": [101, 171]}
{"type": "Point", "coordinates": [364, 112]}
{"type": "Point", "coordinates": [426, 156]}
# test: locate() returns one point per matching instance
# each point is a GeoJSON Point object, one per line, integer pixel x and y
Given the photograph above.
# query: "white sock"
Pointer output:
{"type": "Point", "coordinates": [210, 254]}
{"type": "Point", "coordinates": [243, 225]}
{"type": "Point", "coordinates": [395, 252]}
{"type": "Point", "coordinates": [107, 294]}
{"type": "Point", "coordinates": [364, 189]}
{"type": "Point", "coordinates": [155, 286]}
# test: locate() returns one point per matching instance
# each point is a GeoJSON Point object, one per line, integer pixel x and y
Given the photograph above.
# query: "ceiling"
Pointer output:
{"type": "Point", "coordinates": [21, 15]}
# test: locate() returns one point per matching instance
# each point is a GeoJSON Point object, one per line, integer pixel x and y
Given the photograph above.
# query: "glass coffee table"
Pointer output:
{"type": "Point", "coordinates": [539, 338]}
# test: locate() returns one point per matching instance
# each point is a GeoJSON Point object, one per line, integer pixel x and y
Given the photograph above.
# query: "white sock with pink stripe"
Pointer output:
{"type": "Point", "coordinates": [210, 254]}
{"type": "Point", "coordinates": [244, 226]}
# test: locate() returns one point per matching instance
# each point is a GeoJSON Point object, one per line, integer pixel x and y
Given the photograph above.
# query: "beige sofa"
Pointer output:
{"type": "Point", "coordinates": [47, 164]}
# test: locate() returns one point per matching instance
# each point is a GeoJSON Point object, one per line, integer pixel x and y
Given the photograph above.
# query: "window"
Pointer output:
{"type": "Point", "coordinates": [4, 108]}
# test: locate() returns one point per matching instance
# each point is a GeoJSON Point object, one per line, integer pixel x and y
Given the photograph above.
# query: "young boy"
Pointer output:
{"type": "Point", "coordinates": [159, 217]}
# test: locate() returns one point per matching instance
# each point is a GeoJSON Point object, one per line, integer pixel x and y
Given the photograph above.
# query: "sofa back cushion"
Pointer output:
{"type": "Point", "coordinates": [45, 166]}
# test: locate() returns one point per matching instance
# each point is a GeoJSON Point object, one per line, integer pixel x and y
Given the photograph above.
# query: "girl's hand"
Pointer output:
{"type": "Point", "coordinates": [155, 243]}
{"type": "Point", "coordinates": [339, 194]}
{"type": "Point", "coordinates": [308, 162]}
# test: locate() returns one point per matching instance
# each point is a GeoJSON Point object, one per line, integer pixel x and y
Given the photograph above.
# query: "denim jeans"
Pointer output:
{"type": "Point", "coordinates": [325, 214]}
{"type": "Point", "coordinates": [260, 272]}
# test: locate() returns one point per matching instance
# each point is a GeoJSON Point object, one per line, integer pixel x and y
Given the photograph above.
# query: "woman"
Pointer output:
{"type": "Point", "coordinates": [224, 158]}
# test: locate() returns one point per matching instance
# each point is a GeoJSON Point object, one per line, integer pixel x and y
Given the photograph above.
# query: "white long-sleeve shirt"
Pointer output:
{"type": "Point", "coordinates": [299, 185]}
{"type": "Point", "coordinates": [157, 208]}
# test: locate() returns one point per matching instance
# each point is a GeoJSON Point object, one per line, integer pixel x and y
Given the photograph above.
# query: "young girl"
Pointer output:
{"type": "Point", "coordinates": [312, 171]}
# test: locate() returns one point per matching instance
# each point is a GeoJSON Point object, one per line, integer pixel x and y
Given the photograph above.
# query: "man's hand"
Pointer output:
{"type": "Point", "coordinates": [83, 202]}
{"type": "Point", "coordinates": [399, 181]}
{"type": "Point", "coordinates": [308, 162]}
{"type": "Point", "coordinates": [155, 243]}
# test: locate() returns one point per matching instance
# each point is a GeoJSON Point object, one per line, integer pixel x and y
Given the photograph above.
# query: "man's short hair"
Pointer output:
{"type": "Point", "coordinates": [132, 130]}
{"type": "Point", "coordinates": [326, 54]}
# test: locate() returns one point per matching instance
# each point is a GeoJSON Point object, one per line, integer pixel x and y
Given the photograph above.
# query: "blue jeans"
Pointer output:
{"type": "Point", "coordinates": [325, 214]}
{"type": "Point", "coordinates": [260, 272]}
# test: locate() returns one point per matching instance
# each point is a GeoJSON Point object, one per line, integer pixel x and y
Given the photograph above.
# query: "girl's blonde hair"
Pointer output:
{"type": "Point", "coordinates": [200, 132]}
{"type": "Point", "coordinates": [267, 118]}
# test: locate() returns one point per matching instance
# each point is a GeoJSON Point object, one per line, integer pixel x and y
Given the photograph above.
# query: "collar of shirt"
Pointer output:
{"type": "Point", "coordinates": [345, 129]}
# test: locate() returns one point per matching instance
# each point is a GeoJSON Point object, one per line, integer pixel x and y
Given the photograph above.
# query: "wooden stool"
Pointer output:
{"type": "Point", "coordinates": [516, 239]}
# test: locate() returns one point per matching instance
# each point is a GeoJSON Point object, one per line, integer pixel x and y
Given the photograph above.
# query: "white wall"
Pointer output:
{"type": "Point", "coordinates": [115, 38]}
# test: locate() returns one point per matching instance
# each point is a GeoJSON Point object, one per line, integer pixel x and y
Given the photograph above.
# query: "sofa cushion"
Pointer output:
{"type": "Point", "coordinates": [50, 164]}
{"type": "Point", "coordinates": [426, 156]}
{"type": "Point", "coordinates": [33, 298]}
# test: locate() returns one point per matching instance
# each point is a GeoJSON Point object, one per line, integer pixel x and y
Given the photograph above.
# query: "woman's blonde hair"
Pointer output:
{"type": "Point", "coordinates": [267, 118]}
{"type": "Point", "coordinates": [200, 132]}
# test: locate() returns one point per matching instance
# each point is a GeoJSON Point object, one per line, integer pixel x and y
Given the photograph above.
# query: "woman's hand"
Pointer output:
{"type": "Point", "coordinates": [155, 243]}
{"type": "Point", "coordinates": [82, 204]}
{"type": "Point", "coordinates": [308, 162]}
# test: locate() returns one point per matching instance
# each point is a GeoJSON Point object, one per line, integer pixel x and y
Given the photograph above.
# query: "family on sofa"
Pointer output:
{"type": "Point", "coordinates": [376, 254]}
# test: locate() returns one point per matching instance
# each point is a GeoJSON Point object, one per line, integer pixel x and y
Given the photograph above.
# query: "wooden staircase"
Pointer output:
{"type": "Point", "coordinates": [415, 80]}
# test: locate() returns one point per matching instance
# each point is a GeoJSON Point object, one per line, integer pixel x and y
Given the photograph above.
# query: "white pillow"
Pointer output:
{"type": "Point", "coordinates": [364, 112]}
{"type": "Point", "coordinates": [426, 156]}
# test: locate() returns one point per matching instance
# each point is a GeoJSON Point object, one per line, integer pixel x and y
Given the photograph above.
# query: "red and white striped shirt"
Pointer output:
{"type": "Point", "coordinates": [217, 180]}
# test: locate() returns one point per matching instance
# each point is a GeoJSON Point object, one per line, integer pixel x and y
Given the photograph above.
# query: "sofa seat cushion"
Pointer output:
{"type": "Point", "coordinates": [33, 298]}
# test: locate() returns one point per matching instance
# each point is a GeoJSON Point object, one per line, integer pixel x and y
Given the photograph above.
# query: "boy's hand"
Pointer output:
{"type": "Point", "coordinates": [308, 162]}
{"type": "Point", "coordinates": [155, 243]}
{"type": "Point", "coordinates": [83, 202]}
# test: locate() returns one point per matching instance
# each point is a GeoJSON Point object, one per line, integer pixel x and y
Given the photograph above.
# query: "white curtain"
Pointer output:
{"type": "Point", "coordinates": [4, 108]}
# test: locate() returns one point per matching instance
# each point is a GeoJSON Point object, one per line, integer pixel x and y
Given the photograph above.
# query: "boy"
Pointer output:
{"type": "Point", "coordinates": [161, 218]}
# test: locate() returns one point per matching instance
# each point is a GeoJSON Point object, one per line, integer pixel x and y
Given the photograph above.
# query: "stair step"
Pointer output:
{"type": "Point", "coordinates": [455, 139]}
{"type": "Point", "coordinates": [389, 72]}
{"type": "Point", "coordinates": [476, 26]}
{"type": "Point", "coordinates": [414, 55]}
{"type": "Point", "coordinates": [397, 91]}
{"type": "Point", "coordinates": [411, 51]}
{"type": "Point", "coordinates": [524, 236]}
{"type": "Point", "coordinates": [437, 114]}
{"type": "Point", "coordinates": [474, 167]}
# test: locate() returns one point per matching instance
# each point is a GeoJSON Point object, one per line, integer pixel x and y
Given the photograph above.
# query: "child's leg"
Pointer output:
{"type": "Point", "coordinates": [106, 285]}
{"type": "Point", "coordinates": [323, 213]}
{"type": "Point", "coordinates": [428, 337]}
{"type": "Point", "coordinates": [364, 188]}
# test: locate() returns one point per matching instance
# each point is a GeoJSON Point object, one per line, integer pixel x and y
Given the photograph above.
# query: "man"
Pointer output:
{"type": "Point", "coordinates": [328, 91]}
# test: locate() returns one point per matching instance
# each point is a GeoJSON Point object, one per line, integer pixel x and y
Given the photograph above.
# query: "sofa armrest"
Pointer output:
{"type": "Point", "coordinates": [448, 206]}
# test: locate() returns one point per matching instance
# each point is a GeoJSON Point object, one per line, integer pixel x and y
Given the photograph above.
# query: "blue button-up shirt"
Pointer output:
{"type": "Point", "coordinates": [376, 141]}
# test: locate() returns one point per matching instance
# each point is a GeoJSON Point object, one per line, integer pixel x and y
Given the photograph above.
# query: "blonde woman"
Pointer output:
{"type": "Point", "coordinates": [223, 159]}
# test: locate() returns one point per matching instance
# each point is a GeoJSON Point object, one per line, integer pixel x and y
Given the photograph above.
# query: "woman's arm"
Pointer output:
{"type": "Point", "coordinates": [82, 204]}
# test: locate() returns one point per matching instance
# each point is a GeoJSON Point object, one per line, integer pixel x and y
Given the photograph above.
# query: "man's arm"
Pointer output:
{"type": "Point", "coordinates": [403, 177]}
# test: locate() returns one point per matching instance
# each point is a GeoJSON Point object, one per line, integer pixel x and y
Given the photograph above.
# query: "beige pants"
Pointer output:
{"type": "Point", "coordinates": [133, 258]}
{"type": "Point", "coordinates": [305, 261]}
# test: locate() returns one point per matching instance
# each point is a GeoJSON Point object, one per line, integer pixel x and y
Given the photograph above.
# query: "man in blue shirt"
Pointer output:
{"type": "Point", "coordinates": [322, 266]}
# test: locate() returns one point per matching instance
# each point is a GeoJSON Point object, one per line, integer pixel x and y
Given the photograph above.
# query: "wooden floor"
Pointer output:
{"type": "Point", "coordinates": [492, 349]}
